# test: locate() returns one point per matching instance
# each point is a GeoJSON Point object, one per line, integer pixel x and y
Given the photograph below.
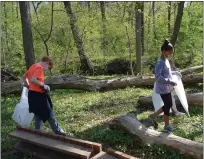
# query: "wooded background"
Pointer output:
{"type": "Point", "coordinates": [99, 38]}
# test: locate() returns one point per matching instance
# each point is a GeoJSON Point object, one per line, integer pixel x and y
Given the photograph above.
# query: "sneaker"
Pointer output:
{"type": "Point", "coordinates": [61, 132]}
{"type": "Point", "coordinates": [152, 119]}
{"type": "Point", "coordinates": [179, 113]}
{"type": "Point", "coordinates": [169, 128]}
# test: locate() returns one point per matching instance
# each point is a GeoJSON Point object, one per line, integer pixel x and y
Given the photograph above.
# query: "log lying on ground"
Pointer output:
{"type": "Point", "coordinates": [148, 136]}
{"type": "Point", "coordinates": [195, 69]}
{"type": "Point", "coordinates": [193, 100]}
{"type": "Point", "coordinates": [6, 75]}
{"type": "Point", "coordinates": [87, 84]}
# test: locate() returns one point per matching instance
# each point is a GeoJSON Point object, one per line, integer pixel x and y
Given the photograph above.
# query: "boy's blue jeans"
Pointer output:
{"type": "Point", "coordinates": [52, 121]}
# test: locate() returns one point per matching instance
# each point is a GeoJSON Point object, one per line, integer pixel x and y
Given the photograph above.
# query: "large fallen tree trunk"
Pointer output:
{"type": "Point", "coordinates": [195, 69]}
{"type": "Point", "coordinates": [148, 136]}
{"type": "Point", "coordinates": [193, 100]}
{"type": "Point", "coordinates": [87, 84]}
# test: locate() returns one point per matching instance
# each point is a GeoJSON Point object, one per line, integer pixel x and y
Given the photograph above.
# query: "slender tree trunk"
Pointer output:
{"type": "Point", "coordinates": [130, 51]}
{"type": "Point", "coordinates": [169, 18]}
{"type": "Point", "coordinates": [17, 10]}
{"type": "Point", "coordinates": [153, 20]}
{"type": "Point", "coordinates": [103, 16]}
{"type": "Point", "coordinates": [27, 33]}
{"type": "Point", "coordinates": [138, 30]}
{"type": "Point", "coordinates": [85, 63]}
{"type": "Point", "coordinates": [175, 6]}
{"type": "Point", "coordinates": [89, 6]}
{"type": "Point", "coordinates": [142, 27]}
{"type": "Point", "coordinates": [6, 31]}
{"type": "Point", "coordinates": [177, 22]}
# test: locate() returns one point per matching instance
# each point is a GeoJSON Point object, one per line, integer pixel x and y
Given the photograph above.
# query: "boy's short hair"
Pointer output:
{"type": "Point", "coordinates": [47, 59]}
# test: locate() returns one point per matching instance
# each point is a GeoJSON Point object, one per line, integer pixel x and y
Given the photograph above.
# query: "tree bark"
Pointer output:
{"type": "Point", "coordinates": [17, 10]}
{"type": "Point", "coordinates": [131, 125]}
{"type": "Point", "coordinates": [85, 63]}
{"type": "Point", "coordinates": [138, 30]}
{"type": "Point", "coordinates": [169, 18]}
{"type": "Point", "coordinates": [6, 51]}
{"type": "Point", "coordinates": [177, 22]}
{"type": "Point", "coordinates": [153, 20]}
{"type": "Point", "coordinates": [142, 27]}
{"type": "Point", "coordinates": [130, 52]}
{"type": "Point", "coordinates": [27, 33]}
{"type": "Point", "coordinates": [103, 17]}
{"type": "Point", "coordinates": [195, 69]}
{"type": "Point", "coordinates": [193, 100]}
{"type": "Point", "coordinates": [87, 84]}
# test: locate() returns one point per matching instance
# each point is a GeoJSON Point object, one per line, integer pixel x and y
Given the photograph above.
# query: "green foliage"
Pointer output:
{"type": "Point", "coordinates": [89, 21]}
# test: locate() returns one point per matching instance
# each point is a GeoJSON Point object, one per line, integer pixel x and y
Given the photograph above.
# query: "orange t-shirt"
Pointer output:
{"type": "Point", "coordinates": [36, 70]}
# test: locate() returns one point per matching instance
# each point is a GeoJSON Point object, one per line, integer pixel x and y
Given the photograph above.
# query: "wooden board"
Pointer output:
{"type": "Point", "coordinates": [104, 155]}
{"type": "Point", "coordinates": [56, 145]}
{"type": "Point", "coordinates": [40, 152]}
{"type": "Point", "coordinates": [119, 154]}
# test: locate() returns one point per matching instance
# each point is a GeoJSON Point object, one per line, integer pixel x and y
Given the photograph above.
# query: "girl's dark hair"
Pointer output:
{"type": "Point", "coordinates": [167, 46]}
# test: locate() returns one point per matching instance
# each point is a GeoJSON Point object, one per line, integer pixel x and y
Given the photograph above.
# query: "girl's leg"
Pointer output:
{"type": "Point", "coordinates": [167, 99]}
{"type": "Point", "coordinates": [155, 114]}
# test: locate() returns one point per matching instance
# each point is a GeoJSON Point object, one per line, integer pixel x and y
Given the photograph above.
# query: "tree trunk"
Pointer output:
{"type": "Point", "coordinates": [175, 6]}
{"type": "Point", "coordinates": [85, 63]}
{"type": "Point", "coordinates": [6, 51]}
{"type": "Point", "coordinates": [148, 28]}
{"type": "Point", "coordinates": [17, 10]}
{"type": "Point", "coordinates": [169, 18]}
{"type": "Point", "coordinates": [153, 20]}
{"type": "Point", "coordinates": [87, 84]}
{"type": "Point", "coordinates": [27, 33]}
{"type": "Point", "coordinates": [193, 100]}
{"type": "Point", "coordinates": [138, 30]}
{"type": "Point", "coordinates": [131, 125]}
{"type": "Point", "coordinates": [177, 22]}
{"type": "Point", "coordinates": [103, 16]}
{"type": "Point", "coordinates": [191, 70]}
{"type": "Point", "coordinates": [130, 52]}
{"type": "Point", "coordinates": [89, 6]}
{"type": "Point", "coordinates": [142, 27]}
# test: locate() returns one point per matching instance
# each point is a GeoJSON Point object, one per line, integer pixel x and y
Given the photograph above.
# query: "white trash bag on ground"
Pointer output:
{"type": "Point", "coordinates": [21, 113]}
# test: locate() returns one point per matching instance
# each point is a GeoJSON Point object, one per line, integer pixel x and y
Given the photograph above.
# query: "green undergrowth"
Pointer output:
{"type": "Point", "coordinates": [85, 115]}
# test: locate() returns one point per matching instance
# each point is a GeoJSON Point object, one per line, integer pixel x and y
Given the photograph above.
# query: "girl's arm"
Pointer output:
{"type": "Point", "coordinates": [159, 78]}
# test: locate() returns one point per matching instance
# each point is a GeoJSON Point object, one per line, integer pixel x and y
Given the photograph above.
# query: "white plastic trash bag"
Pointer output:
{"type": "Point", "coordinates": [21, 113]}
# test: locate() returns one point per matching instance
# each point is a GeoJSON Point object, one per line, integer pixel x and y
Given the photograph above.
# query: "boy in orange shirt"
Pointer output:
{"type": "Point", "coordinates": [39, 101]}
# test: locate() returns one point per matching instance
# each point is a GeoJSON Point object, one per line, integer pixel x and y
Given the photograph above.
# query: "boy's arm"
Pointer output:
{"type": "Point", "coordinates": [25, 82]}
{"type": "Point", "coordinates": [36, 82]}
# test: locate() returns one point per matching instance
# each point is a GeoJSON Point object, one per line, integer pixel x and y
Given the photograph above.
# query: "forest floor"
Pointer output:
{"type": "Point", "coordinates": [85, 115]}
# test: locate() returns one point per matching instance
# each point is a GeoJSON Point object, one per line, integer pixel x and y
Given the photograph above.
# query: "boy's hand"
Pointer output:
{"type": "Point", "coordinates": [26, 85]}
{"type": "Point", "coordinates": [46, 87]}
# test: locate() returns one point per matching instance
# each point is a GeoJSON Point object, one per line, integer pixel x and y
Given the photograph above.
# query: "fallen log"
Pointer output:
{"type": "Point", "coordinates": [193, 100]}
{"type": "Point", "coordinates": [87, 84]}
{"type": "Point", "coordinates": [195, 69]}
{"type": "Point", "coordinates": [6, 76]}
{"type": "Point", "coordinates": [131, 125]}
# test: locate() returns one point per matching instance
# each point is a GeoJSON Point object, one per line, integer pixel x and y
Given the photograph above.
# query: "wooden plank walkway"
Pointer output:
{"type": "Point", "coordinates": [60, 146]}
{"type": "Point", "coordinates": [104, 155]}
{"type": "Point", "coordinates": [39, 143]}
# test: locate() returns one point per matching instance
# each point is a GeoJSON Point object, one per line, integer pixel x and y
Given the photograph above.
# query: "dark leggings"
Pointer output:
{"type": "Point", "coordinates": [167, 99]}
